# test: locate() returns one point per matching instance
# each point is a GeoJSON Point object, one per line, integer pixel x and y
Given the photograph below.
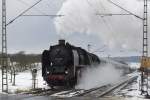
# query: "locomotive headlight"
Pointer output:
{"type": "Point", "coordinates": [66, 72]}
{"type": "Point", "coordinates": [47, 72]}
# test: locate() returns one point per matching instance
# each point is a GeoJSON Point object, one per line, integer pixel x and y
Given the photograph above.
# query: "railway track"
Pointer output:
{"type": "Point", "coordinates": [117, 87]}
{"type": "Point", "coordinates": [101, 91]}
{"type": "Point", "coordinates": [111, 89]}
{"type": "Point", "coordinates": [36, 91]}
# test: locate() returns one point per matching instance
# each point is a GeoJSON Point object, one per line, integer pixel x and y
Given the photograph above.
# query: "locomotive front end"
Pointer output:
{"type": "Point", "coordinates": [57, 71]}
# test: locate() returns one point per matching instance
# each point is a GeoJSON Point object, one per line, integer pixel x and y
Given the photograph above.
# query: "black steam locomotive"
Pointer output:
{"type": "Point", "coordinates": [62, 64]}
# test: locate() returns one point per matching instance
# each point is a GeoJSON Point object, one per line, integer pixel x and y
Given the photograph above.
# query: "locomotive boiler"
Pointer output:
{"type": "Point", "coordinates": [62, 64]}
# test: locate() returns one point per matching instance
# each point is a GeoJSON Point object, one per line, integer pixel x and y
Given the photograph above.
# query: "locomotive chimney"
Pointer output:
{"type": "Point", "coordinates": [62, 42]}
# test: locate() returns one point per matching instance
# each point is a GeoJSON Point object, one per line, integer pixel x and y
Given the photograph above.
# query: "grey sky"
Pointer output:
{"type": "Point", "coordinates": [31, 34]}
{"type": "Point", "coordinates": [34, 34]}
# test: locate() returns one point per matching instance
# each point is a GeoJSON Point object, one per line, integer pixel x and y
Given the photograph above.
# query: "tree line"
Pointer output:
{"type": "Point", "coordinates": [23, 61]}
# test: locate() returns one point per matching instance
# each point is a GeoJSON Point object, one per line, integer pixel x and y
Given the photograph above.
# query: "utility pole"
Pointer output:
{"type": "Point", "coordinates": [145, 62]}
{"type": "Point", "coordinates": [4, 49]}
{"type": "Point", "coordinates": [4, 40]}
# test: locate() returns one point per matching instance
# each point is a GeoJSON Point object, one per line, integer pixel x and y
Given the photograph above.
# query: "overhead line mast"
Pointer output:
{"type": "Point", "coordinates": [145, 62]}
{"type": "Point", "coordinates": [4, 49]}
{"type": "Point", "coordinates": [4, 57]}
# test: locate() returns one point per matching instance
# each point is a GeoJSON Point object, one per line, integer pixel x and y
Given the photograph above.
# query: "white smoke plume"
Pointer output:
{"type": "Point", "coordinates": [99, 76]}
{"type": "Point", "coordinates": [115, 31]}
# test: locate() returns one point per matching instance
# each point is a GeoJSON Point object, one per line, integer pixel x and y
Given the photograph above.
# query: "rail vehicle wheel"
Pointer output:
{"type": "Point", "coordinates": [70, 84]}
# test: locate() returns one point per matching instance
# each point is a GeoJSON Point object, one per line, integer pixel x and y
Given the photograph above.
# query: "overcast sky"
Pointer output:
{"type": "Point", "coordinates": [34, 34]}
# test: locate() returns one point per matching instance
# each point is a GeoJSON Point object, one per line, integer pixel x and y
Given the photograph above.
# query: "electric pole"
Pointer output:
{"type": "Point", "coordinates": [4, 49]}
{"type": "Point", "coordinates": [145, 62]}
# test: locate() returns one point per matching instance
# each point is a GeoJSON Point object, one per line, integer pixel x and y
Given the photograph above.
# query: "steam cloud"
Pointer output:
{"type": "Point", "coordinates": [98, 76]}
{"type": "Point", "coordinates": [115, 31]}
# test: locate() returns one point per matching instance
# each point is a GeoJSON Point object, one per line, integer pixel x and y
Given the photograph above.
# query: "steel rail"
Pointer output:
{"type": "Point", "coordinates": [116, 86]}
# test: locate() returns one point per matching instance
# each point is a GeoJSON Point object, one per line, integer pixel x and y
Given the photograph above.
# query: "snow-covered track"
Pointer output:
{"type": "Point", "coordinates": [117, 87]}
{"type": "Point", "coordinates": [42, 92]}
{"type": "Point", "coordinates": [37, 91]}
{"type": "Point", "coordinates": [77, 92]}
{"type": "Point", "coordinates": [109, 88]}
{"type": "Point", "coordinates": [69, 93]}
{"type": "Point", "coordinates": [105, 90]}
{"type": "Point", "coordinates": [98, 92]}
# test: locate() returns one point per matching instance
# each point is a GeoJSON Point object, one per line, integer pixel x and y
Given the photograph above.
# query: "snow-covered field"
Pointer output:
{"type": "Point", "coordinates": [134, 65]}
{"type": "Point", "coordinates": [24, 81]}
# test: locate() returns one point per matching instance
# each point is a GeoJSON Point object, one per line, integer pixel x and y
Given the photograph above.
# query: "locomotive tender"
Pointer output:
{"type": "Point", "coordinates": [62, 64]}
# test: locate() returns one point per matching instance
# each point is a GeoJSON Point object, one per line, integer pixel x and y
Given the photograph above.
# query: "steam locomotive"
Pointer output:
{"type": "Point", "coordinates": [62, 64]}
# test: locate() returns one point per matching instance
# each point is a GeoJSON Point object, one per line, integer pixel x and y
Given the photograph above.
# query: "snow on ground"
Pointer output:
{"type": "Point", "coordinates": [134, 65]}
{"type": "Point", "coordinates": [24, 81]}
{"type": "Point", "coordinates": [132, 91]}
